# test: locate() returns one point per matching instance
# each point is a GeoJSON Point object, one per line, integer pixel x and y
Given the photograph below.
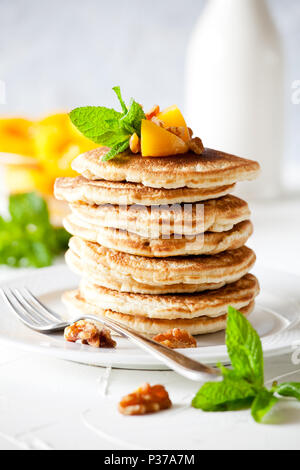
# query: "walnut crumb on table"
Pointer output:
{"type": "Point", "coordinates": [176, 338]}
{"type": "Point", "coordinates": [146, 399]}
{"type": "Point", "coordinates": [89, 333]}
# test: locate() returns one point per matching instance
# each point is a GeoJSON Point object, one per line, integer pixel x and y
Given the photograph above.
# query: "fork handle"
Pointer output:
{"type": "Point", "coordinates": [181, 364]}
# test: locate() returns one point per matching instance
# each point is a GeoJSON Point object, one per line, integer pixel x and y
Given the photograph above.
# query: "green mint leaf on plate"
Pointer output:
{"type": "Point", "coordinates": [134, 117]}
{"type": "Point", "coordinates": [228, 373]}
{"type": "Point", "coordinates": [262, 404]}
{"type": "Point", "coordinates": [243, 386]}
{"type": "Point", "coordinates": [228, 395]}
{"type": "Point", "coordinates": [244, 348]}
{"type": "Point", "coordinates": [93, 121]}
{"type": "Point", "coordinates": [27, 238]}
{"type": "Point", "coordinates": [108, 127]}
{"type": "Point", "coordinates": [288, 389]}
{"type": "Point", "coordinates": [117, 90]}
{"type": "Point", "coordinates": [116, 150]}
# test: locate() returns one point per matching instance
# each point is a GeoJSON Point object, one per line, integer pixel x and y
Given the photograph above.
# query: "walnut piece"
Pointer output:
{"type": "Point", "coordinates": [135, 143]}
{"type": "Point", "coordinates": [145, 399]}
{"type": "Point", "coordinates": [179, 131]}
{"type": "Point", "coordinates": [157, 121]}
{"type": "Point", "coordinates": [89, 333]}
{"type": "Point", "coordinates": [191, 133]}
{"type": "Point", "coordinates": [176, 338]}
{"type": "Point", "coordinates": [153, 112]}
{"type": "Point", "coordinates": [196, 145]}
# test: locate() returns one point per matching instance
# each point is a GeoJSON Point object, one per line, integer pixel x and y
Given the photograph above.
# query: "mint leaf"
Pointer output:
{"type": "Point", "coordinates": [134, 117]}
{"type": "Point", "coordinates": [58, 239]}
{"type": "Point", "coordinates": [262, 404]}
{"type": "Point", "coordinates": [39, 256]}
{"type": "Point", "coordinates": [117, 90]}
{"type": "Point", "coordinates": [93, 121]}
{"type": "Point", "coordinates": [243, 386]}
{"type": "Point", "coordinates": [28, 207]}
{"type": "Point", "coordinates": [288, 389]}
{"type": "Point", "coordinates": [109, 127]}
{"type": "Point", "coordinates": [244, 348]}
{"type": "Point", "coordinates": [230, 373]}
{"type": "Point", "coordinates": [116, 150]}
{"type": "Point", "coordinates": [112, 138]}
{"type": "Point", "coordinates": [227, 395]}
{"type": "Point", "coordinates": [28, 238]}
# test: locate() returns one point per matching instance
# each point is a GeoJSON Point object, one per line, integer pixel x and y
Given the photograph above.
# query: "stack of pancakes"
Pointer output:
{"type": "Point", "coordinates": [160, 242]}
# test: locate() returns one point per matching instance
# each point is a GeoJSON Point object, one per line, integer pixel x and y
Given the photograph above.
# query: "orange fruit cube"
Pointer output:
{"type": "Point", "coordinates": [172, 117]}
{"type": "Point", "coordinates": [158, 142]}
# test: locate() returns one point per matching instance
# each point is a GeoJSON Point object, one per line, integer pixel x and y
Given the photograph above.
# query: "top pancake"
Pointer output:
{"type": "Point", "coordinates": [212, 168]}
{"type": "Point", "coordinates": [80, 189]}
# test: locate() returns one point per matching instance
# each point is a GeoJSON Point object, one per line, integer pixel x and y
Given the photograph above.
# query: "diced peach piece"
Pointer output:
{"type": "Point", "coordinates": [158, 142]}
{"type": "Point", "coordinates": [172, 116]}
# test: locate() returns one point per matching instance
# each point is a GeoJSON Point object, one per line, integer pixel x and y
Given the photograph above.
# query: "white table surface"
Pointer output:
{"type": "Point", "coordinates": [50, 404]}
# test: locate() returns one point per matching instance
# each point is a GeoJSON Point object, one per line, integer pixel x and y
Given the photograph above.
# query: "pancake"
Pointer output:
{"type": "Point", "coordinates": [126, 284]}
{"type": "Point", "coordinates": [171, 306]}
{"type": "Point", "coordinates": [225, 267]}
{"type": "Point", "coordinates": [215, 215]}
{"type": "Point", "coordinates": [212, 168]}
{"type": "Point", "coordinates": [207, 243]}
{"type": "Point", "coordinates": [80, 189]}
{"type": "Point", "coordinates": [78, 306]}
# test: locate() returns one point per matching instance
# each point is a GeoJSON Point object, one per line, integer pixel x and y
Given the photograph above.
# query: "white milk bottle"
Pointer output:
{"type": "Point", "coordinates": [235, 86]}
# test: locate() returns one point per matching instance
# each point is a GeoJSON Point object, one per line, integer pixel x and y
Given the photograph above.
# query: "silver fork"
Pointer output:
{"type": "Point", "coordinates": [38, 317]}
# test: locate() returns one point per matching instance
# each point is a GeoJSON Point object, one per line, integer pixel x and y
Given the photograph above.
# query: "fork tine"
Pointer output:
{"type": "Point", "coordinates": [35, 312]}
{"type": "Point", "coordinates": [36, 301]}
{"type": "Point", "coordinates": [26, 312]}
{"type": "Point", "coordinates": [27, 319]}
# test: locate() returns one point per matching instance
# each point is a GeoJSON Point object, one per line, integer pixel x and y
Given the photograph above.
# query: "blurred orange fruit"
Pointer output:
{"type": "Point", "coordinates": [57, 143]}
{"type": "Point", "coordinates": [16, 136]}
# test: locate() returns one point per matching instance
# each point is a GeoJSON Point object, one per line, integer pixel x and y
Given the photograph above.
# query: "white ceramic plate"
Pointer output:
{"type": "Point", "coordinates": [276, 318]}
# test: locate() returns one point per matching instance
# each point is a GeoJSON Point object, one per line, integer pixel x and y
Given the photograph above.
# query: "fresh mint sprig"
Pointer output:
{"type": "Point", "coordinates": [27, 237]}
{"type": "Point", "coordinates": [242, 386]}
{"type": "Point", "coordinates": [106, 126]}
{"type": "Point", "coordinates": [117, 90]}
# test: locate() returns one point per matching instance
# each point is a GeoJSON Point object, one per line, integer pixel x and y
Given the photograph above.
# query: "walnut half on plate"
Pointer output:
{"type": "Point", "coordinates": [176, 338]}
{"type": "Point", "coordinates": [89, 333]}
